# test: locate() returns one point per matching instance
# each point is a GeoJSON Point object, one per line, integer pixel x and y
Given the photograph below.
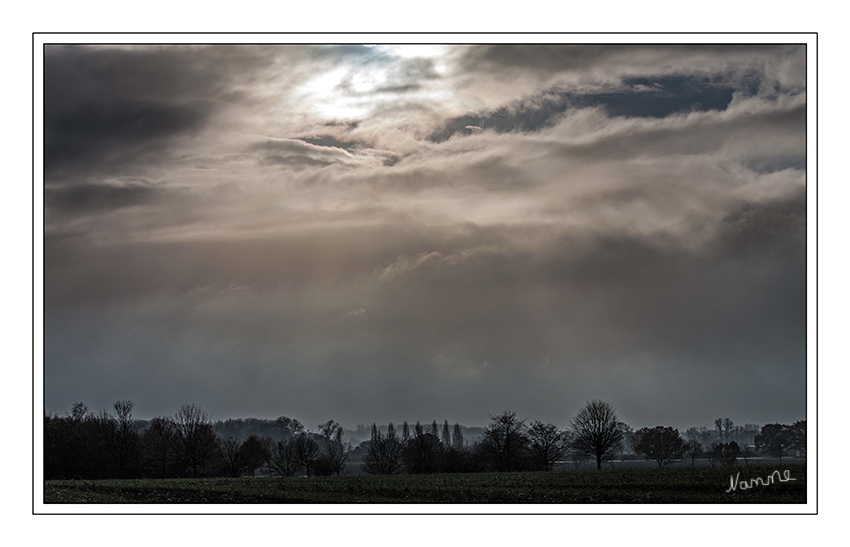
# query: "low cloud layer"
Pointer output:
{"type": "Point", "coordinates": [380, 233]}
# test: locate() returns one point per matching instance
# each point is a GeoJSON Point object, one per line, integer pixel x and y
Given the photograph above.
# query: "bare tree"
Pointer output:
{"type": "Point", "coordinates": [308, 450]}
{"type": "Point", "coordinates": [228, 447]}
{"type": "Point", "coordinates": [447, 434]}
{"type": "Point", "coordinates": [727, 429]}
{"type": "Point", "coordinates": [506, 441]}
{"type": "Point", "coordinates": [747, 452]}
{"type": "Point", "coordinates": [125, 440]}
{"type": "Point", "coordinates": [574, 455]}
{"type": "Point", "coordinates": [548, 443]}
{"type": "Point", "coordinates": [597, 431]}
{"type": "Point", "coordinates": [284, 459]}
{"type": "Point", "coordinates": [693, 450]}
{"type": "Point", "coordinates": [159, 446]}
{"type": "Point", "coordinates": [197, 439]}
{"type": "Point", "coordinates": [384, 456]}
{"type": "Point", "coordinates": [628, 438]}
{"type": "Point", "coordinates": [335, 455]}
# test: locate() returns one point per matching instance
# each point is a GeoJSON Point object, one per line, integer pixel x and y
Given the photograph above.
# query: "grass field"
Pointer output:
{"type": "Point", "coordinates": [683, 485]}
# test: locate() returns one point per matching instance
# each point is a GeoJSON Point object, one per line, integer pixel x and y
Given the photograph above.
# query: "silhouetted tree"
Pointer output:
{"type": "Point", "coordinates": [422, 451]}
{"type": "Point", "coordinates": [628, 438]}
{"type": "Point", "coordinates": [700, 434]}
{"type": "Point", "coordinates": [727, 429]}
{"type": "Point", "coordinates": [254, 452]}
{"type": "Point", "coordinates": [334, 456]}
{"type": "Point", "coordinates": [288, 427]}
{"type": "Point", "coordinates": [747, 452]}
{"type": "Point", "coordinates": [124, 440]}
{"type": "Point", "coordinates": [405, 432]}
{"type": "Point", "coordinates": [77, 445]}
{"type": "Point", "coordinates": [229, 449]}
{"type": "Point", "coordinates": [575, 455]}
{"type": "Point", "coordinates": [197, 440]}
{"type": "Point", "coordinates": [447, 434]}
{"type": "Point", "coordinates": [797, 436]}
{"type": "Point", "coordinates": [284, 459]}
{"type": "Point", "coordinates": [506, 441]}
{"type": "Point", "coordinates": [725, 454]}
{"type": "Point", "coordinates": [308, 451]}
{"type": "Point", "coordinates": [548, 444]}
{"type": "Point", "coordinates": [597, 431]}
{"type": "Point", "coordinates": [745, 435]}
{"type": "Point", "coordinates": [457, 437]}
{"type": "Point", "coordinates": [693, 450]}
{"type": "Point", "coordinates": [159, 447]}
{"type": "Point", "coordinates": [66, 445]}
{"type": "Point", "coordinates": [662, 444]}
{"type": "Point", "coordinates": [384, 454]}
{"type": "Point", "coordinates": [773, 440]}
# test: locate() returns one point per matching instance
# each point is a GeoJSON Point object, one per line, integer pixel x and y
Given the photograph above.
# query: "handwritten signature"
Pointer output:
{"type": "Point", "coordinates": [735, 482]}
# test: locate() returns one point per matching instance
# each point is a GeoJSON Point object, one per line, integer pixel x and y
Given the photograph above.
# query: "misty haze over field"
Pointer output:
{"type": "Point", "coordinates": [368, 234]}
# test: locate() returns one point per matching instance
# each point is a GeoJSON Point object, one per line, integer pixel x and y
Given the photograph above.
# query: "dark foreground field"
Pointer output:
{"type": "Point", "coordinates": [683, 485]}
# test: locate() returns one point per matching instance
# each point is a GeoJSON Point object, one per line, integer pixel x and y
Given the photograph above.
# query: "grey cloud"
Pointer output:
{"type": "Point", "coordinates": [115, 131]}
{"type": "Point", "coordinates": [567, 245]}
{"type": "Point", "coordinates": [101, 102]}
{"type": "Point", "coordinates": [590, 306]}
{"type": "Point", "coordinates": [622, 58]}
{"type": "Point", "coordinates": [318, 151]}
{"type": "Point", "coordinates": [754, 134]}
{"type": "Point", "coordinates": [652, 96]}
{"type": "Point", "coordinates": [94, 196]}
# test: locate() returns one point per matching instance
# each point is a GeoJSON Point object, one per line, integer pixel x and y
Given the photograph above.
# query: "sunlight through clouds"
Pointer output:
{"type": "Point", "coordinates": [457, 226]}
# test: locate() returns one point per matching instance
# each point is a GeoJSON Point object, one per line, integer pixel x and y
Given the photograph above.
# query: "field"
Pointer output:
{"type": "Point", "coordinates": [679, 485]}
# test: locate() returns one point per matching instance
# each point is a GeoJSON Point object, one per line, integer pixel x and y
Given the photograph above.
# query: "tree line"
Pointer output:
{"type": "Point", "coordinates": [112, 444]}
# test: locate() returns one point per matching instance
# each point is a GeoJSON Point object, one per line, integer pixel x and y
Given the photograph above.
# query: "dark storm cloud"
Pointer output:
{"type": "Point", "coordinates": [107, 106]}
{"type": "Point", "coordinates": [112, 132]}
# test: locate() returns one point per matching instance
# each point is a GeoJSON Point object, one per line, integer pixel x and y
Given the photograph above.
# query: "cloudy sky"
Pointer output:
{"type": "Point", "coordinates": [376, 233]}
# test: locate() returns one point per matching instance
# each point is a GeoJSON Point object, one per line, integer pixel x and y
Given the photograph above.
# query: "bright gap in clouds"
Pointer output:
{"type": "Point", "coordinates": [410, 51]}
{"type": "Point", "coordinates": [352, 92]}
